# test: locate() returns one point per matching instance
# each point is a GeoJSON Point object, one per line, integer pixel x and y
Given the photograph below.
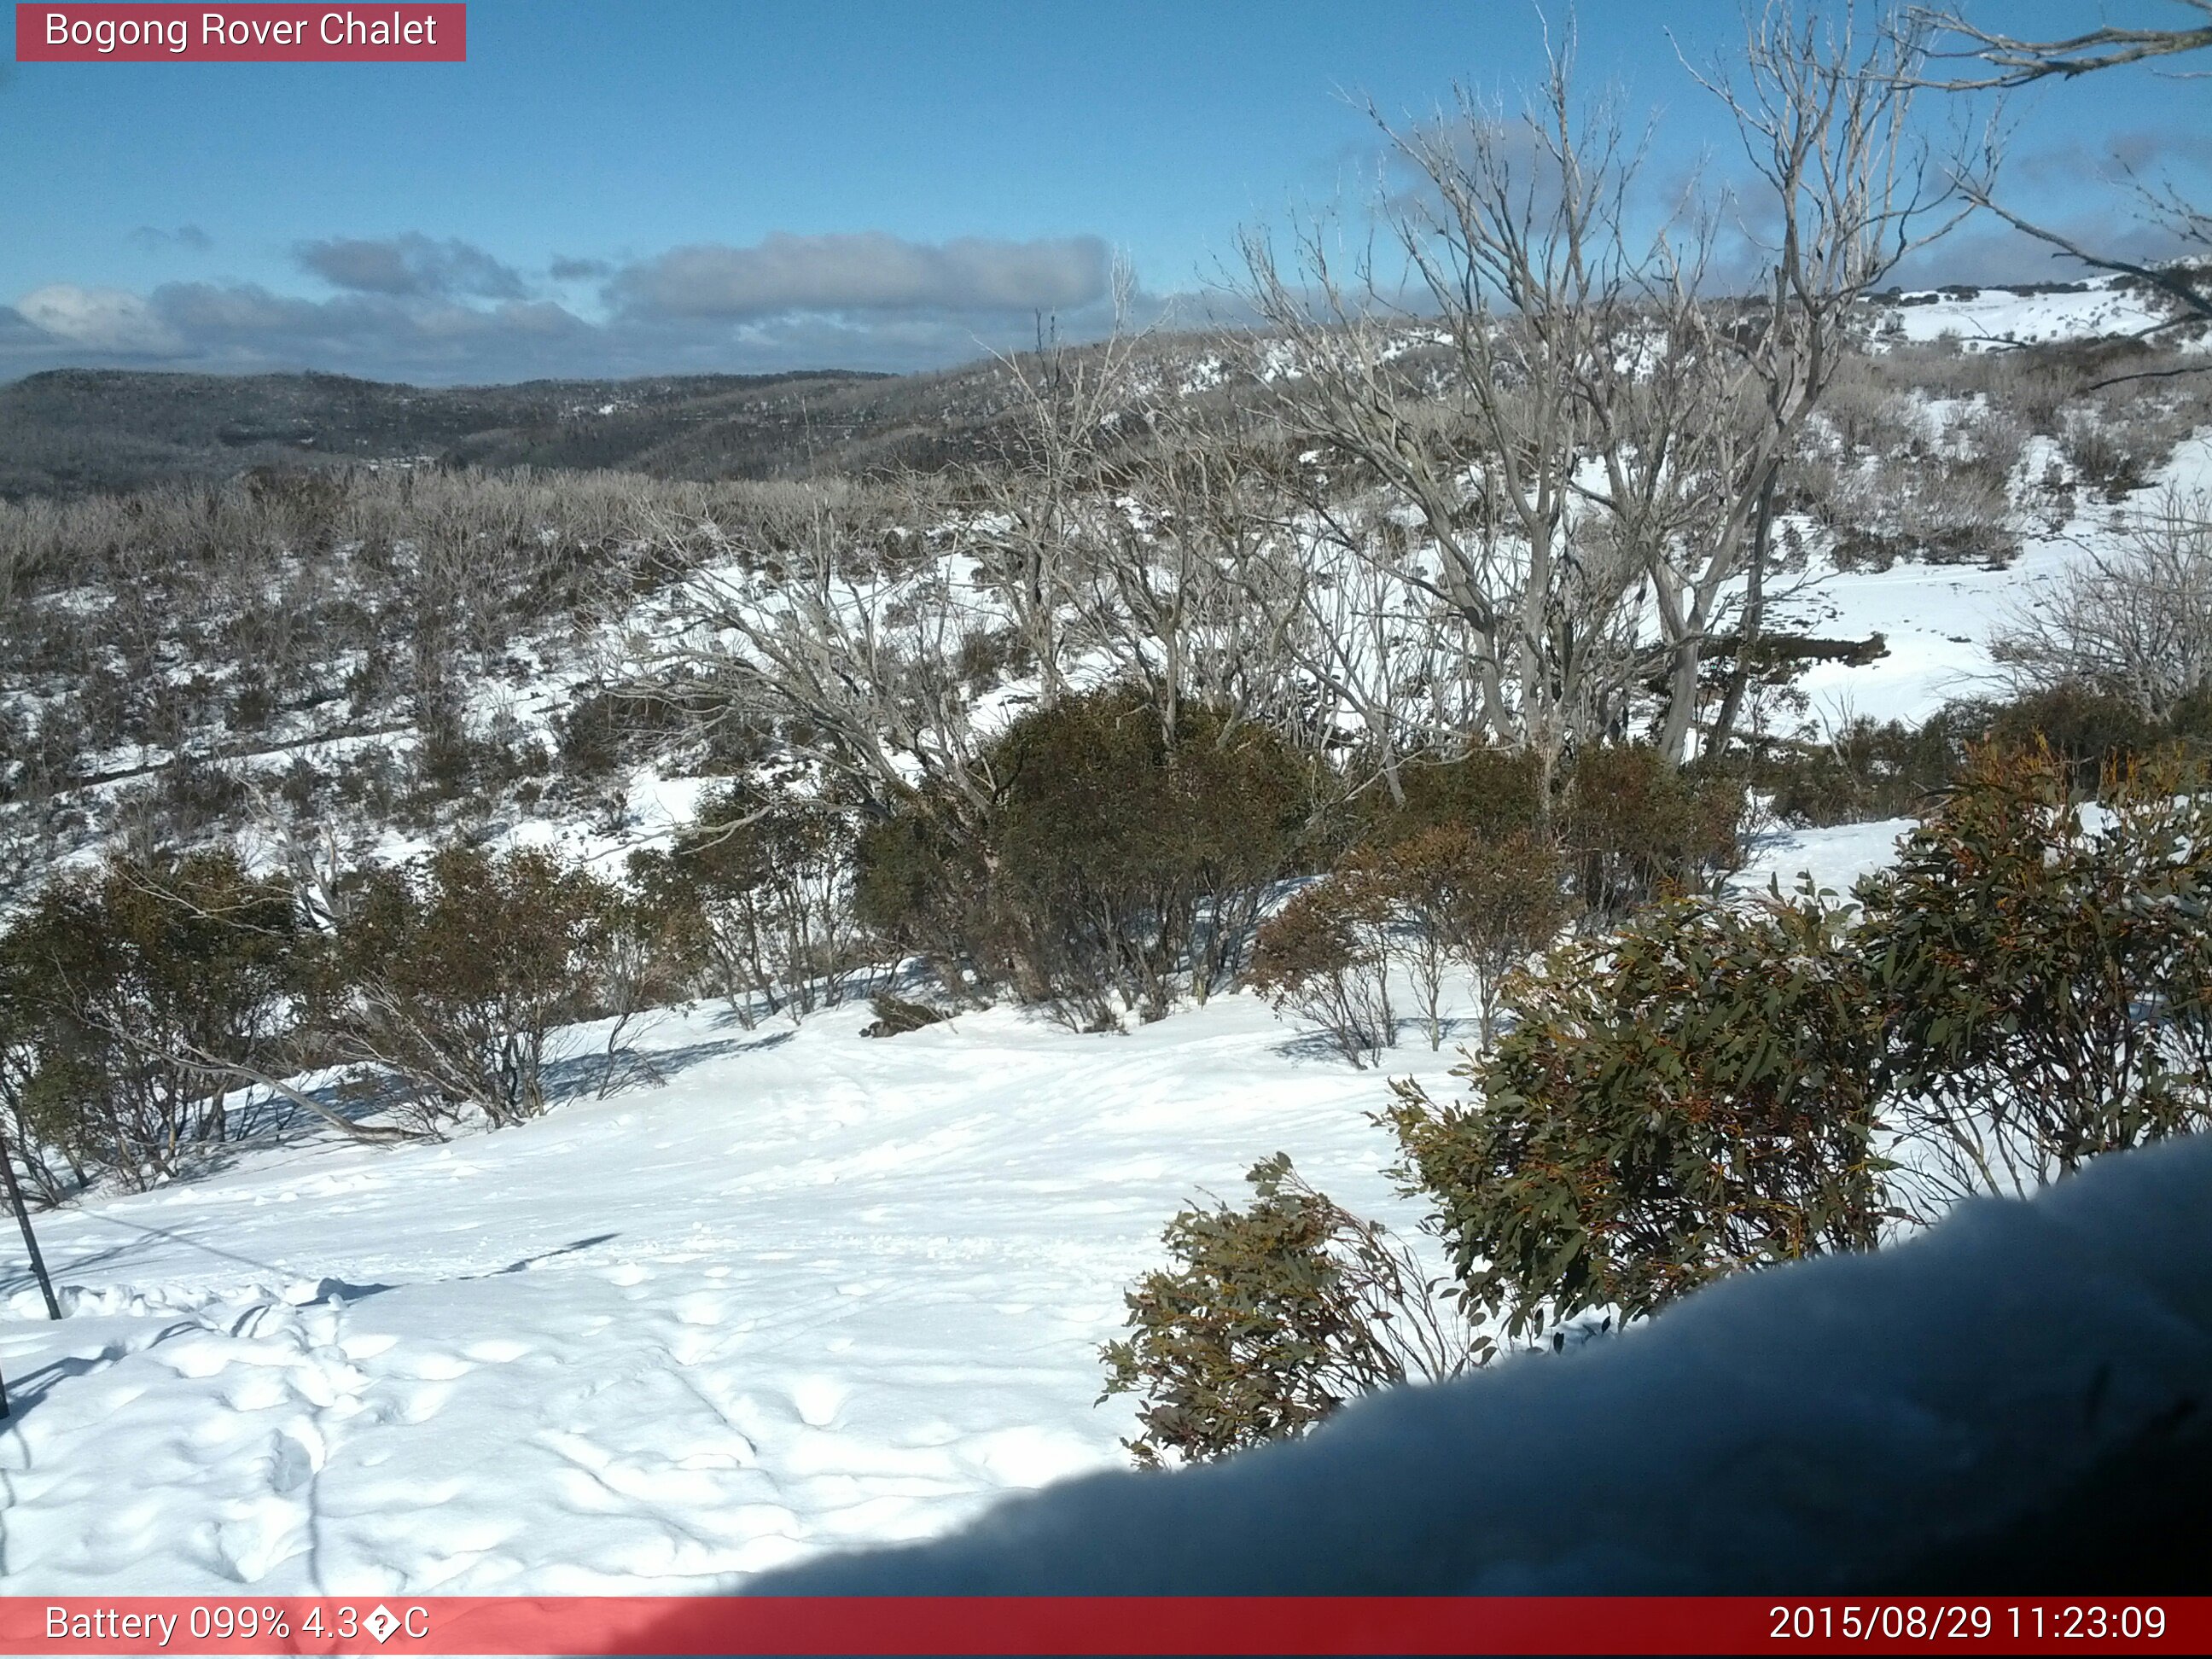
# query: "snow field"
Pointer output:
{"type": "Point", "coordinates": [815, 1290]}
{"type": "Point", "coordinates": [810, 1291]}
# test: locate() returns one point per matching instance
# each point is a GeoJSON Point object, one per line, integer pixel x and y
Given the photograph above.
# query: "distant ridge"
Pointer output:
{"type": "Point", "coordinates": [70, 431]}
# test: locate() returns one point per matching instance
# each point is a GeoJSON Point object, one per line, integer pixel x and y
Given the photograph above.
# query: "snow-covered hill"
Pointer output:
{"type": "Point", "coordinates": [1995, 319]}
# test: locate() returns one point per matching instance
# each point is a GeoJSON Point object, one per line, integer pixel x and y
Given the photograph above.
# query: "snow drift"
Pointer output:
{"type": "Point", "coordinates": [2017, 1400]}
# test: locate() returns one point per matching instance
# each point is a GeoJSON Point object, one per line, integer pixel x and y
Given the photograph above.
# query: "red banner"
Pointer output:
{"type": "Point", "coordinates": [1106, 1624]}
{"type": "Point", "coordinates": [110, 34]}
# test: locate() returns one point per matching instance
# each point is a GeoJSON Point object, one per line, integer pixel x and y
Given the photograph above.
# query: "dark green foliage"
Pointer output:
{"type": "Point", "coordinates": [1114, 867]}
{"type": "Point", "coordinates": [1124, 859]}
{"type": "Point", "coordinates": [2088, 732]}
{"type": "Point", "coordinates": [591, 731]}
{"type": "Point", "coordinates": [921, 883]}
{"type": "Point", "coordinates": [1634, 829]}
{"type": "Point", "coordinates": [124, 996]}
{"type": "Point", "coordinates": [1873, 770]}
{"type": "Point", "coordinates": [602, 730]}
{"type": "Point", "coordinates": [1491, 792]}
{"type": "Point", "coordinates": [2047, 978]}
{"type": "Point", "coordinates": [763, 879]}
{"type": "Point", "coordinates": [1868, 769]}
{"type": "Point", "coordinates": [1483, 905]}
{"type": "Point", "coordinates": [894, 1015]}
{"type": "Point", "coordinates": [1271, 1317]}
{"type": "Point", "coordinates": [1629, 825]}
{"type": "Point", "coordinates": [1325, 955]}
{"type": "Point", "coordinates": [139, 1005]}
{"type": "Point", "coordinates": [1693, 1095]}
{"type": "Point", "coordinates": [453, 976]}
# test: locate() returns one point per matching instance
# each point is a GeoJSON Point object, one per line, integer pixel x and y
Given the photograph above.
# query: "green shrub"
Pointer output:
{"type": "Point", "coordinates": [1693, 1095]}
{"type": "Point", "coordinates": [1491, 794]}
{"type": "Point", "coordinates": [453, 976]}
{"type": "Point", "coordinates": [1113, 868]}
{"type": "Point", "coordinates": [1866, 769]}
{"type": "Point", "coordinates": [765, 881]}
{"type": "Point", "coordinates": [921, 883]}
{"type": "Point", "coordinates": [127, 996]}
{"type": "Point", "coordinates": [1325, 955]}
{"type": "Point", "coordinates": [1717, 1087]}
{"type": "Point", "coordinates": [1124, 861]}
{"type": "Point", "coordinates": [2087, 731]}
{"type": "Point", "coordinates": [1461, 900]}
{"type": "Point", "coordinates": [2047, 977]}
{"type": "Point", "coordinates": [1270, 1318]}
{"type": "Point", "coordinates": [1634, 829]}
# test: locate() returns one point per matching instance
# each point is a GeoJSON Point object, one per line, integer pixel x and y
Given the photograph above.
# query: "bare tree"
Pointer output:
{"type": "Point", "coordinates": [2134, 621]}
{"type": "Point", "coordinates": [1849, 188]}
{"type": "Point", "coordinates": [1590, 438]}
{"type": "Point", "coordinates": [2012, 60]}
{"type": "Point", "coordinates": [1461, 390]}
{"type": "Point", "coordinates": [1182, 593]}
{"type": "Point", "coordinates": [850, 639]}
{"type": "Point", "coordinates": [1041, 507]}
{"type": "Point", "coordinates": [2007, 61]}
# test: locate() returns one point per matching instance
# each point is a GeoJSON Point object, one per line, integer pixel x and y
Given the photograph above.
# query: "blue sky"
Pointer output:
{"type": "Point", "coordinates": [610, 187]}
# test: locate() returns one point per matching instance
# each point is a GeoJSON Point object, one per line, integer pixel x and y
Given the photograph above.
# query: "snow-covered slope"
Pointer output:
{"type": "Point", "coordinates": [2099, 307]}
{"type": "Point", "coordinates": [810, 1290]}
{"type": "Point", "coordinates": [815, 1290]}
{"type": "Point", "coordinates": [1935, 620]}
{"type": "Point", "coordinates": [2011, 1401]}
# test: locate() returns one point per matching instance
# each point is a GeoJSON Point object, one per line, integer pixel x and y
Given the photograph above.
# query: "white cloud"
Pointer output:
{"type": "Point", "coordinates": [410, 265]}
{"type": "Point", "coordinates": [410, 307]}
{"type": "Point", "coordinates": [869, 271]}
{"type": "Point", "coordinates": [101, 319]}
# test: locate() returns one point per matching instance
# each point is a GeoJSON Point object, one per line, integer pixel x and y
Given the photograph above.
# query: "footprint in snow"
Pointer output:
{"type": "Point", "coordinates": [296, 1456]}
{"type": "Point", "coordinates": [817, 1399]}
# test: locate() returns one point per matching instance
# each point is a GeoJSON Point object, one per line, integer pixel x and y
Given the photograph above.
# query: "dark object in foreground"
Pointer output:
{"type": "Point", "coordinates": [2018, 1402]}
{"type": "Point", "coordinates": [895, 1015]}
